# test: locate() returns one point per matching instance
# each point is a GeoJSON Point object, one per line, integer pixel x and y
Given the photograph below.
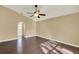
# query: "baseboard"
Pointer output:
{"type": "Point", "coordinates": [11, 39]}
{"type": "Point", "coordinates": [29, 36]}
{"type": "Point", "coordinates": [5, 40]}
{"type": "Point", "coordinates": [60, 42]}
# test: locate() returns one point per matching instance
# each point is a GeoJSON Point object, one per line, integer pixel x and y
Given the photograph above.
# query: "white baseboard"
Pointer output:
{"type": "Point", "coordinates": [11, 39]}
{"type": "Point", "coordinates": [5, 40]}
{"type": "Point", "coordinates": [60, 42]}
{"type": "Point", "coordinates": [29, 36]}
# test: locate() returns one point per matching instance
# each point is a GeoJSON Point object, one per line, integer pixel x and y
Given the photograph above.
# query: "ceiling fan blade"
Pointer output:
{"type": "Point", "coordinates": [38, 16]}
{"type": "Point", "coordinates": [42, 14]}
{"type": "Point", "coordinates": [31, 15]}
{"type": "Point", "coordinates": [29, 12]}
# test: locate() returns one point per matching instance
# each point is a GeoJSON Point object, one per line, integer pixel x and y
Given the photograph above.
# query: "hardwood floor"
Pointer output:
{"type": "Point", "coordinates": [36, 45]}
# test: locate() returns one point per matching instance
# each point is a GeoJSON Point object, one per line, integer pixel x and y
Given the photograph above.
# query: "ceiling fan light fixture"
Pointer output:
{"type": "Point", "coordinates": [36, 14]}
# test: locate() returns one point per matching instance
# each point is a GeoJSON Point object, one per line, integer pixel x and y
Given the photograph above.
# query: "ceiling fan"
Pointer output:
{"type": "Point", "coordinates": [36, 12]}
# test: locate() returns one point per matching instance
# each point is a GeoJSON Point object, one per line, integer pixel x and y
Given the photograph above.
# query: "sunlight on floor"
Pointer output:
{"type": "Point", "coordinates": [53, 48]}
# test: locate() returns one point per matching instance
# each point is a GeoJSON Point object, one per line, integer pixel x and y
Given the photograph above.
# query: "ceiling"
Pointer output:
{"type": "Point", "coordinates": [51, 11]}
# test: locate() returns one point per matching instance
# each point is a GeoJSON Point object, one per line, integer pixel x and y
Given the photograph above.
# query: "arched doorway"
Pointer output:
{"type": "Point", "coordinates": [20, 33]}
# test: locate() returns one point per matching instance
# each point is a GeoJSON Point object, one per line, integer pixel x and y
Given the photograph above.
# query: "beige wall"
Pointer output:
{"type": "Point", "coordinates": [64, 28]}
{"type": "Point", "coordinates": [8, 24]}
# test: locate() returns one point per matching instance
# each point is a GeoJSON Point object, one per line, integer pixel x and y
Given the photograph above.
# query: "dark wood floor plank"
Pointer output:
{"type": "Point", "coordinates": [30, 46]}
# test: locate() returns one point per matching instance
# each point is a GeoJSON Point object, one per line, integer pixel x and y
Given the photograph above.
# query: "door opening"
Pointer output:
{"type": "Point", "coordinates": [20, 33]}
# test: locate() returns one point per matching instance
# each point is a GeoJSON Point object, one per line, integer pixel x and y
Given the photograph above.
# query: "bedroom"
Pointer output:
{"type": "Point", "coordinates": [60, 25]}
